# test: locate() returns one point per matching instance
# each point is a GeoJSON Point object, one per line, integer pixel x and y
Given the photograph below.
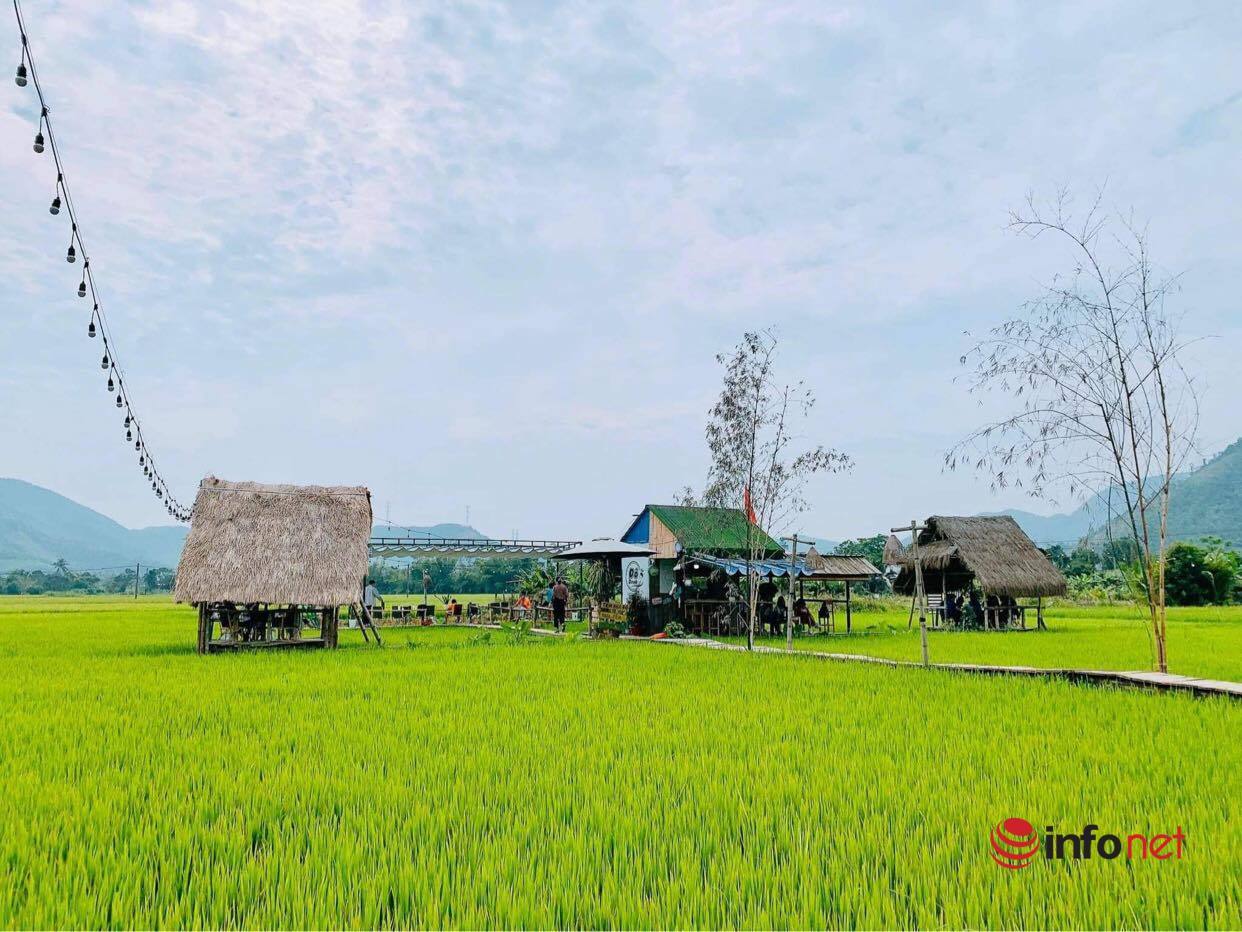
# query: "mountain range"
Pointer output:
{"type": "Point", "coordinates": [1206, 502]}
{"type": "Point", "coordinates": [38, 526]}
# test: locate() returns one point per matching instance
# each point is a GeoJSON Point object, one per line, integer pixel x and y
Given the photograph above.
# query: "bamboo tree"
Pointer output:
{"type": "Point", "coordinates": [1094, 365]}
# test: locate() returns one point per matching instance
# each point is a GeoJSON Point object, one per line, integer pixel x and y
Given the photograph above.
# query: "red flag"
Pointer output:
{"type": "Point", "coordinates": [750, 506]}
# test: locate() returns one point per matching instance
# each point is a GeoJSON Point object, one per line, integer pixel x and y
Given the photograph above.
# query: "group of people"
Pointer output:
{"type": "Point", "coordinates": [555, 595]}
{"type": "Point", "coordinates": [1000, 609]}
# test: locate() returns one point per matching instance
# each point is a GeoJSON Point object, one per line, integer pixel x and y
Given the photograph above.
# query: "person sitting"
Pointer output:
{"type": "Point", "coordinates": [824, 615]}
{"type": "Point", "coordinates": [952, 609]}
{"type": "Point", "coordinates": [802, 614]}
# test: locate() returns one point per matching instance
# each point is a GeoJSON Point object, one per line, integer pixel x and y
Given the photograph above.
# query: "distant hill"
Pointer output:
{"type": "Point", "coordinates": [1206, 502]}
{"type": "Point", "coordinates": [38, 527]}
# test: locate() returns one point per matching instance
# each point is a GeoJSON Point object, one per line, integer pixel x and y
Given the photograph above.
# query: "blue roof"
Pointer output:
{"type": "Point", "coordinates": [762, 567]}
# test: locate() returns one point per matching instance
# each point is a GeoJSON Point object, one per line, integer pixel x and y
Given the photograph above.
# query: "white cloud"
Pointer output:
{"type": "Point", "coordinates": [314, 221]}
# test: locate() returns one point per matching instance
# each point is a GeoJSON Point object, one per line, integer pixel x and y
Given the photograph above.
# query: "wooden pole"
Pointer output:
{"type": "Point", "coordinates": [137, 569]}
{"type": "Point", "coordinates": [849, 612]}
{"type": "Point", "coordinates": [920, 593]}
{"type": "Point", "coordinates": [789, 608]}
{"type": "Point", "coordinates": [203, 635]}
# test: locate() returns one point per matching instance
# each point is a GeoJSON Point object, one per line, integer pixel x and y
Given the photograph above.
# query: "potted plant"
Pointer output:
{"type": "Point", "coordinates": [636, 614]}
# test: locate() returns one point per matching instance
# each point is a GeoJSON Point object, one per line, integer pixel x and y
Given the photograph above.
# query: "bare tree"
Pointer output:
{"type": "Point", "coordinates": [755, 466]}
{"type": "Point", "coordinates": [1103, 400]}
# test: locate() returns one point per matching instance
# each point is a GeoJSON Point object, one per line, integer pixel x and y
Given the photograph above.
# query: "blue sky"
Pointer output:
{"type": "Point", "coordinates": [483, 254]}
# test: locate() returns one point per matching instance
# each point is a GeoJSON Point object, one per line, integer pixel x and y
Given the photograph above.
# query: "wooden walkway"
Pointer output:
{"type": "Point", "coordinates": [1132, 678]}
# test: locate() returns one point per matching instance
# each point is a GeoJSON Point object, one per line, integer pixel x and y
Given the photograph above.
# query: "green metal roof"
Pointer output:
{"type": "Point", "coordinates": [714, 530]}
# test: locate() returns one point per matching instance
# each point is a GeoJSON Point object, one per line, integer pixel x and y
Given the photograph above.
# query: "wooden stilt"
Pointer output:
{"type": "Point", "coordinates": [849, 611]}
{"type": "Point", "coordinates": [204, 628]}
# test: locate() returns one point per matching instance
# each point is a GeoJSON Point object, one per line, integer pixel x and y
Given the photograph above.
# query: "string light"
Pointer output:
{"type": "Point", "coordinates": [45, 138]}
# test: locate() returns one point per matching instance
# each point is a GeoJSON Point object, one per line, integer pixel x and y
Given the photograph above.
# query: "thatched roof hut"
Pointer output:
{"type": "Point", "coordinates": [993, 552]}
{"type": "Point", "coordinates": [275, 544]}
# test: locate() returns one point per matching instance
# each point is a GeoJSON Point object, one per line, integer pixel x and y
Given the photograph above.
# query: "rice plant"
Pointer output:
{"type": "Point", "coordinates": [440, 781]}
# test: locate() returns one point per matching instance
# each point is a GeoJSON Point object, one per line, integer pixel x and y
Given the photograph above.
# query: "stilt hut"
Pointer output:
{"type": "Point", "coordinates": [991, 553]}
{"type": "Point", "coordinates": [263, 562]}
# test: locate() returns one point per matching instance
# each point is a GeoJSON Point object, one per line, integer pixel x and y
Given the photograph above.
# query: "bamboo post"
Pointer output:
{"type": "Point", "coordinates": [920, 594]}
{"type": "Point", "coordinates": [789, 605]}
{"type": "Point", "coordinates": [849, 610]}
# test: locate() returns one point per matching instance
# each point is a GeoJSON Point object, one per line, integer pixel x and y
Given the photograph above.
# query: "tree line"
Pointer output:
{"type": "Point", "coordinates": [64, 580]}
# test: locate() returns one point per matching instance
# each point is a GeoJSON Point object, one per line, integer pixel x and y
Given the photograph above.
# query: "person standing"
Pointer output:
{"type": "Point", "coordinates": [560, 598]}
{"type": "Point", "coordinates": [370, 595]}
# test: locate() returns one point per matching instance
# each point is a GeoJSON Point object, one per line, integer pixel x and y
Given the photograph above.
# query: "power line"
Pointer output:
{"type": "Point", "coordinates": [28, 73]}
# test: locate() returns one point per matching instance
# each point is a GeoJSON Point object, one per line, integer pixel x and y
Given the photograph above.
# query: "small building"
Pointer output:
{"type": "Point", "coordinates": [262, 562]}
{"type": "Point", "coordinates": [670, 531]}
{"type": "Point", "coordinates": [991, 553]}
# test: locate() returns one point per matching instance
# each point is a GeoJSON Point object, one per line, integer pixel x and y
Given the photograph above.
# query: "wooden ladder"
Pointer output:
{"type": "Point", "coordinates": [365, 621]}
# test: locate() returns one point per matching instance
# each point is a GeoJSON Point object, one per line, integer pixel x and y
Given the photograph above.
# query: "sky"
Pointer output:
{"type": "Point", "coordinates": [480, 256]}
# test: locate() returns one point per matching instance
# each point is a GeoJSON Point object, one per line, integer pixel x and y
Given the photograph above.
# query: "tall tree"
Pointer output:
{"type": "Point", "coordinates": [758, 462]}
{"type": "Point", "coordinates": [1094, 369]}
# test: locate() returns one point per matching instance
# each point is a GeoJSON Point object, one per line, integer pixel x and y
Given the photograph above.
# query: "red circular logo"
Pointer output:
{"type": "Point", "coordinates": [1014, 843]}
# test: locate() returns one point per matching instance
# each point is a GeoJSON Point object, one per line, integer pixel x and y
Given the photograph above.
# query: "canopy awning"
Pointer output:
{"type": "Point", "coordinates": [603, 548]}
{"type": "Point", "coordinates": [842, 570]}
{"type": "Point", "coordinates": [734, 567]}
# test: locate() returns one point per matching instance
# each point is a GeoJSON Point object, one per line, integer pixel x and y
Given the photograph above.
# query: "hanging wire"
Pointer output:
{"type": "Point", "coordinates": [28, 73]}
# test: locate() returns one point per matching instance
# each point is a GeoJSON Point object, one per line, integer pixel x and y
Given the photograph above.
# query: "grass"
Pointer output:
{"type": "Point", "coordinates": [440, 782]}
{"type": "Point", "coordinates": [1203, 642]}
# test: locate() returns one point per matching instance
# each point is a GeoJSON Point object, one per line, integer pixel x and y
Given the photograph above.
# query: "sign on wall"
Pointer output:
{"type": "Point", "coordinates": [634, 577]}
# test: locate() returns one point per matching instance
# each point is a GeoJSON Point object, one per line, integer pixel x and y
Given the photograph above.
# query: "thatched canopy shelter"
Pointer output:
{"type": "Point", "coordinates": [254, 544]}
{"type": "Point", "coordinates": [992, 552]}
{"type": "Point", "coordinates": [839, 567]}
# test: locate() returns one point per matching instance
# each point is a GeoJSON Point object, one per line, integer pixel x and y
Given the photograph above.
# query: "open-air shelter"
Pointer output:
{"type": "Point", "coordinates": [989, 552]}
{"type": "Point", "coordinates": [263, 561]}
{"type": "Point", "coordinates": [811, 566]}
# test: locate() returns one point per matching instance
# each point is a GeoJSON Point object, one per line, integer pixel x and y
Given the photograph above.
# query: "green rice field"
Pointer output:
{"type": "Point", "coordinates": [443, 781]}
{"type": "Point", "coordinates": [1203, 642]}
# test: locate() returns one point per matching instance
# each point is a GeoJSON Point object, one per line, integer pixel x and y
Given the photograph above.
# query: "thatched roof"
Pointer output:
{"type": "Point", "coordinates": [894, 551]}
{"type": "Point", "coordinates": [993, 550]}
{"type": "Point", "coordinates": [839, 566]}
{"type": "Point", "coordinates": [281, 544]}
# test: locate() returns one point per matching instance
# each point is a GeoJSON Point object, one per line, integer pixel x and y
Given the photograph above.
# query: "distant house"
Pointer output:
{"type": "Point", "coordinates": [262, 559]}
{"type": "Point", "coordinates": [672, 530]}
